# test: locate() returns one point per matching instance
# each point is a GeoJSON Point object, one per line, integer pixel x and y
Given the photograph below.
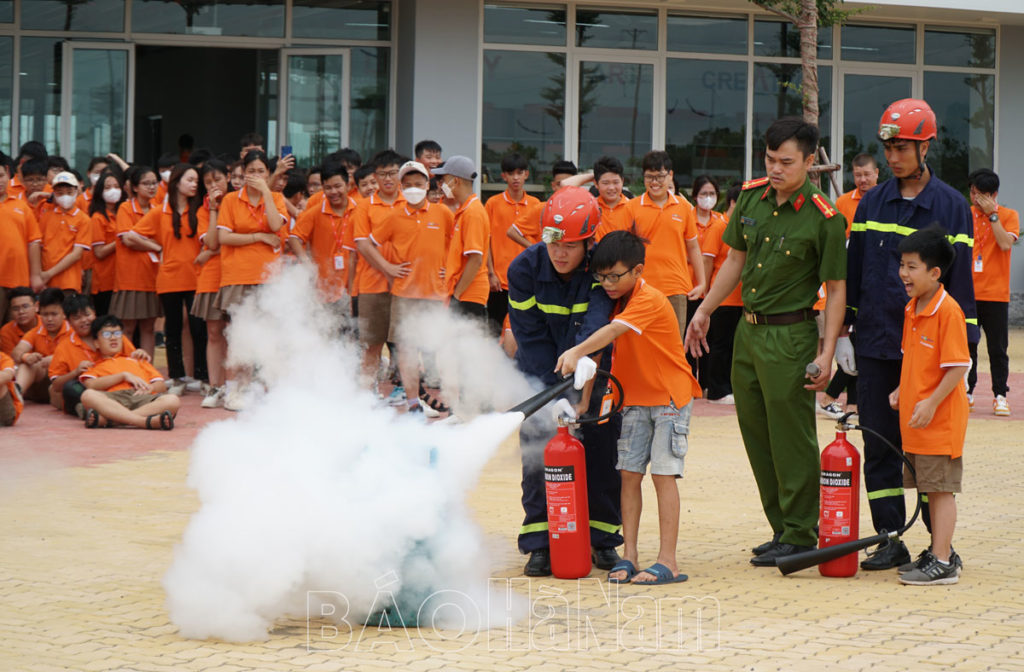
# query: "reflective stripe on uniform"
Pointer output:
{"type": "Point", "coordinates": [906, 231]}
{"type": "Point", "coordinates": [890, 492]}
{"type": "Point", "coordinates": [551, 309]}
{"type": "Point", "coordinates": [534, 527]}
{"type": "Point", "coordinates": [605, 527]}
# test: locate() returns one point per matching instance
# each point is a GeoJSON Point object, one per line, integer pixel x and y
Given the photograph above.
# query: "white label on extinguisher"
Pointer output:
{"type": "Point", "coordinates": [560, 483]}
{"type": "Point", "coordinates": [836, 503]}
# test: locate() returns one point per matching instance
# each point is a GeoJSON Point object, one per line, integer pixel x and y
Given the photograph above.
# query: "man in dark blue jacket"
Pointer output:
{"type": "Point", "coordinates": [911, 200]}
{"type": "Point", "coordinates": [555, 304]}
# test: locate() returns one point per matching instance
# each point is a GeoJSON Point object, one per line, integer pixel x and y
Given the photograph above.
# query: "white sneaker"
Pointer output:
{"type": "Point", "coordinates": [177, 387]}
{"type": "Point", "coordinates": [727, 400]}
{"type": "Point", "coordinates": [234, 400]}
{"type": "Point", "coordinates": [831, 410]}
{"type": "Point", "coordinates": [970, 402]}
{"type": "Point", "coordinates": [1000, 406]}
{"type": "Point", "coordinates": [427, 410]}
{"type": "Point", "coordinates": [214, 397]}
{"type": "Point", "coordinates": [191, 384]}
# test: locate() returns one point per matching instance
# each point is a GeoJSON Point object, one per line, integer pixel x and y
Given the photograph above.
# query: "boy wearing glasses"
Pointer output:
{"type": "Point", "coordinates": [659, 387]}
{"type": "Point", "coordinates": [124, 390]}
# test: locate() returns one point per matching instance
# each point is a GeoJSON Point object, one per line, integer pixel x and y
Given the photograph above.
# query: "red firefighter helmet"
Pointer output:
{"type": "Point", "coordinates": [570, 214]}
{"type": "Point", "coordinates": [907, 119]}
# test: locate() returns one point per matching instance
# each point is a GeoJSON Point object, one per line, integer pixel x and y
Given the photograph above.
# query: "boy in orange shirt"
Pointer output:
{"type": "Point", "coordinates": [932, 399]}
{"type": "Point", "coordinates": [466, 271]}
{"type": "Point", "coordinates": [320, 233]}
{"type": "Point", "coordinates": [607, 179]}
{"type": "Point", "coordinates": [996, 229]}
{"type": "Point", "coordinates": [124, 390]}
{"type": "Point", "coordinates": [20, 240]}
{"type": "Point", "coordinates": [659, 387]}
{"type": "Point", "coordinates": [526, 229]}
{"type": "Point", "coordinates": [24, 318]}
{"type": "Point", "coordinates": [67, 235]}
{"type": "Point", "coordinates": [35, 350]}
{"type": "Point", "coordinates": [503, 209]}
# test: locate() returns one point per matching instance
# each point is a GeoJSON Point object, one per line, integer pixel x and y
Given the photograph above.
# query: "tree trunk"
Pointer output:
{"type": "Point", "coordinates": [809, 58]}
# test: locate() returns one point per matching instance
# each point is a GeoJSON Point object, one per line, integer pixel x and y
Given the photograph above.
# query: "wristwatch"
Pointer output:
{"type": "Point", "coordinates": [994, 217]}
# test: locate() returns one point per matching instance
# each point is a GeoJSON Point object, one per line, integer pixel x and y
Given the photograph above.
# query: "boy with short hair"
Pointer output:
{"type": "Point", "coordinates": [35, 350]}
{"type": "Point", "coordinates": [465, 270]}
{"type": "Point", "coordinates": [428, 153]}
{"type": "Point", "coordinates": [659, 387]}
{"type": "Point", "coordinates": [364, 181]}
{"type": "Point", "coordinates": [608, 181]}
{"type": "Point", "coordinates": [67, 235]}
{"type": "Point", "coordinates": [20, 241]}
{"type": "Point", "coordinates": [35, 153]}
{"type": "Point", "coordinates": [124, 390]}
{"type": "Point", "coordinates": [320, 232]}
{"type": "Point", "coordinates": [24, 317]}
{"type": "Point", "coordinates": [931, 398]}
{"type": "Point", "coordinates": [526, 229]}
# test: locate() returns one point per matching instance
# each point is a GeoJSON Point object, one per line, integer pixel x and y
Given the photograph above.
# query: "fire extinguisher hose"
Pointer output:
{"type": "Point", "coordinates": [541, 399]}
{"type": "Point", "coordinates": [798, 561]}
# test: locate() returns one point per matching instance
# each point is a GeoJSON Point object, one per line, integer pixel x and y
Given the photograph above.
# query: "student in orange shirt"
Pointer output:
{"type": "Point", "coordinates": [465, 269]}
{"type": "Point", "coordinates": [365, 180]}
{"type": "Point", "coordinates": [320, 234]}
{"type": "Point", "coordinates": [124, 390]}
{"type": "Point", "coordinates": [996, 229]}
{"type": "Point", "coordinates": [164, 165]}
{"type": "Point", "coordinates": [659, 389]}
{"type": "Point", "coordinates": [135, 267]}
{"type": "Point", "coordinates": [103, 211]}
{"type": "Point", "coordinates": [526, 230]}
{"type": "Point", "coordinates": [67, 235]}
{"type": "Point", "coordinates": [667, 222]}
{"type": "Point", "coordinates": [24, 311]}
{"type": "Point", "coordinates": [216, 185]}
{"type": "Point", "coordinates": [931, 398]}
{"type": "Point", "coordinates": [34, 154]}
{"type": "Point", "coordinates": [418, 234]}
{"type": "Point", "coordinates": [503, 210]}
{"type": "Point", "coordinates": [865, 177]}
{"type": "Point", "coordinates": [237, 176]}
{"type": "Point", "coordinates": [35, 350]}
{"type": "Point", "coordinates": [20, 241]}
{"type": "Point", "coordinates": [172, 230]}
{"type": "Point", "coordinates": [10, 400]}
{"type": "Point", "coordinates": [428, 153]}
{"type": "Point", "coordinates": [607, 178]}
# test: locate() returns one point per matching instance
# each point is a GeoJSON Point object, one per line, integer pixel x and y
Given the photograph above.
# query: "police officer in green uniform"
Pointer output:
{"type": "Point", "coordinates": [786, 239]}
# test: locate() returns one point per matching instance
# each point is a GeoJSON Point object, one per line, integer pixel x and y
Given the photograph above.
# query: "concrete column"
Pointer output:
{"type": "Point", "coordinates": [1010, 141]}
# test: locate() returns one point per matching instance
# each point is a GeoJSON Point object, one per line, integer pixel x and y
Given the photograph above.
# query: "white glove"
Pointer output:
{"type": "Point", "coordinates": [585, 370]}
{"type": "Point", "coordinates": [563, 408]}
{"type": "Point", "coordinates": [844, 355]}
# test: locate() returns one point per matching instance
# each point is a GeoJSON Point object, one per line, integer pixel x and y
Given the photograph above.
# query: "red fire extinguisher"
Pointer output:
{"type": "Point", "coordinates": [565, 482]}
{"type": "Point", "coordinates": [840, 503]}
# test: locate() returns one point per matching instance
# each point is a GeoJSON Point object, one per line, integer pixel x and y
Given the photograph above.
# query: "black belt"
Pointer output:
{"type": "Point", "coordinates": [780, 318]}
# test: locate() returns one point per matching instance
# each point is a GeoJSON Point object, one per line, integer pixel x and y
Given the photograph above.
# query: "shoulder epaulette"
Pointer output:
{"type": "Point", "coordinates": [826, 208]}
{"type": "Point", "coordinates": [754, 184]}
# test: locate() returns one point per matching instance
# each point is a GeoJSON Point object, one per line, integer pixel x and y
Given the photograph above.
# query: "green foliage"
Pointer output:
{"type": "Point", "coordinates": [829, 13]}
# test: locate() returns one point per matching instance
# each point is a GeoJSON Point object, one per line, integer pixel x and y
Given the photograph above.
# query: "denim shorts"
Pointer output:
{"type": "Point", "coordinates": [655, 434]}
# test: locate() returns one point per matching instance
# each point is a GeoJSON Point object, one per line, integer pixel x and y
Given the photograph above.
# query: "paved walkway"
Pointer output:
{"type": "Point", "coordinates": [89, 521]}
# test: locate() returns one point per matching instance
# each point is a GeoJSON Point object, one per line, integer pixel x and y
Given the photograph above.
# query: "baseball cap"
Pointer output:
{"type": "Point", "coordinates": [413, 167]}
{"type": "Point", "coordinates": [64, 177]}
{"type": "Point", "coordinates": [458, 166]}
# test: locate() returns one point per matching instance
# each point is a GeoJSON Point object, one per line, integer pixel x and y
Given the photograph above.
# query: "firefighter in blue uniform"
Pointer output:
{"type": "Point", "coordinates": [554, 304]}
{"type": "Point", "coordinates": [911, 200]}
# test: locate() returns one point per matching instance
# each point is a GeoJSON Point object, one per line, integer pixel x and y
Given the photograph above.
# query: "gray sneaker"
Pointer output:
{"type": "Point", "coordinates": [931, 572]}
{"type": "Point", "coordinates": [954, 558]}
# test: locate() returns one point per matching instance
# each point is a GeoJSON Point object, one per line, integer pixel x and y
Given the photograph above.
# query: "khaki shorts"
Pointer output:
{"type": "Point", "coordinates": [403, 309]}
{"type": "Point", "coordinates": [130, 399]}
{"type": "Point", "coordinates": [678, 302]}
{"type": "Point", "coordinates": [935, 473]}
{"type": "Point", "coordinates": [374, 317]}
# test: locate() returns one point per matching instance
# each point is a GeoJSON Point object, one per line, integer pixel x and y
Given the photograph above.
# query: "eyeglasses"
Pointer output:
{"type": "Point", "coordinates": [612, 278]}
{"type": "Point", "coordinates": [384, 174]}
{"type": "Point", "coordinates": [654, 177]}
{"type": "Point", "coordinates": [108, 333]}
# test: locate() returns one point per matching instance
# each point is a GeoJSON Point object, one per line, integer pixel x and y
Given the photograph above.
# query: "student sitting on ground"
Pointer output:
{"type": "Point", "coordinates": [124, 390]}
{"type": "Point", "coordinates": [650, 362]}
{"type": "Point", "coordinates": [24, 318]}
{"type": "Point", "coordinates": [35, 350]}
{"type": "Point", "coordinates": [10, 401]}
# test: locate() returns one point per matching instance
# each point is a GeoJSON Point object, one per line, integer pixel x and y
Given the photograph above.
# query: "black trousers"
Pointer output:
{"type": "Point", "coordinates": [468, 309]}
{"type": "Point", "coordinates": [497, 309]}
{"type": "Point", "coordinates": [175, 304]}
{"type": "Point", "coordinates": [844, 381]}
{"type": "Point", "coordinates": [993, 318]}
{"type": "Point", "coordinates": [600, 443]}
{"type": "Point", "coordinates": [717, 364]}
{"type": "Point", "coordinates": [101, 302]}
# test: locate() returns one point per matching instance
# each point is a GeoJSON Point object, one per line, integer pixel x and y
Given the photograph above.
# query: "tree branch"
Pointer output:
{"type": "Point", "coordinates": [764, 4]}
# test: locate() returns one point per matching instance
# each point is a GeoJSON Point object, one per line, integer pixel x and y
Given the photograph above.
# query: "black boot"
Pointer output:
{"type": "Point", "coordinates": [887, 555]}
{"type": "Point", "coordinates": [539, 563]}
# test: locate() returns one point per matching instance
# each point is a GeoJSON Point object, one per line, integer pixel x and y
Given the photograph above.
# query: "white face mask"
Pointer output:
{"type": "Point", "coordinates": [414, 195]}
{"type": "Point", "coordinates": [707, 202]}
{"type": "Point", "coordinates": [165, 175]}
{"type": "Point", "coordinates": [447, 191]}
{"type": "Point", "coordinates": [66, 201]}
{"type": "Point", "coordinates": [93, 177]}
{"type": "Point", "coordinates": [112, 195]}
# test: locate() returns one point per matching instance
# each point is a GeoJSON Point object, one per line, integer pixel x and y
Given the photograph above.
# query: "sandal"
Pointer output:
{"type": "Point", "coordinates": [432, 401]}
{"type": "Point", "coordinates": [92, 419]}
{"type": "Point", "coordinates": [166, 421]}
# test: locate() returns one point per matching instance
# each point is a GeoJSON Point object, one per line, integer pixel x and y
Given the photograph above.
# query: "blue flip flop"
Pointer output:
{"type": "Point", "coordinates": [663, 575]}
{"type": "Point", "coordinates": [622, 565]}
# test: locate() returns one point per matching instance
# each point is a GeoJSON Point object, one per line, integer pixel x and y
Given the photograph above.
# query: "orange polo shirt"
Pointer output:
{"type": "Point", "coordinates": [992, 265]}
{"type": "Point", "coordinates": [104, 231]}
{"type": "Point", "coordinates": [63, 231]}
{"type": "Point", "coordinates": [503, 213]}
{"type": "Point", "coordinates": [933, 341]}
{"type": "Point", "coordinates": [18, 228]}
{"type": "Point", "coordinates": [208, 281]}
{"type": "Point", "coordinates": [15, 188]}
{"type": "Point", "coordinates": [41, 340]}
{"type": "Point", "coordinates": [122, 364]}
{"type": "Point", "coordinates": [528, 224]}
{"type": "Point", "coordinates": [666, 229]}
{"type": "Point", "coordinates": [649, 359]}
{"type": "Point", "coordinates": [7, 364]}
{"type": "Point", "coordinates": [471, 235]}
{"type": "Point", "coordinates": [711, 244]}
{"type": "Point", "coordinates": [249, 264]}
{"type": "Point", "coordinates": [134, 271]}
{"type": "Point", "coordinates": [178, 271]}
{"type": "Point", "coordinates": [11, 334]}
{"type": "Point", "coordinates": [323, 232]}
{"type": "Point", "coordinates": [315, 201]}
{"type": "Point", "coordinates": [616, 218]}
{"type": "Point", "coordinates": [420, 237]}
{"type": "Point", "coordinates": [72, 351]}
{"type": "Point", "coordinates": [369, 214]}
{"type": "Point", "coordinates": [847, 205]}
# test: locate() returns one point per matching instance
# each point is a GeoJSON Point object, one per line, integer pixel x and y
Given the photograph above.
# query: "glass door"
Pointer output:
{"type": "Point", "coordinates": [314, 103]}
{"type": "Point", "coordinates": [614, 105]}
{"type": "Point", "coordinates": [95, 119]}
{"type": "Point", "coordinates": [865, 97]}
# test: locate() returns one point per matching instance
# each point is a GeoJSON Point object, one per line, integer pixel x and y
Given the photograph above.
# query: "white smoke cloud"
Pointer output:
{"type": "Point", "coordinates": [318, 487]}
